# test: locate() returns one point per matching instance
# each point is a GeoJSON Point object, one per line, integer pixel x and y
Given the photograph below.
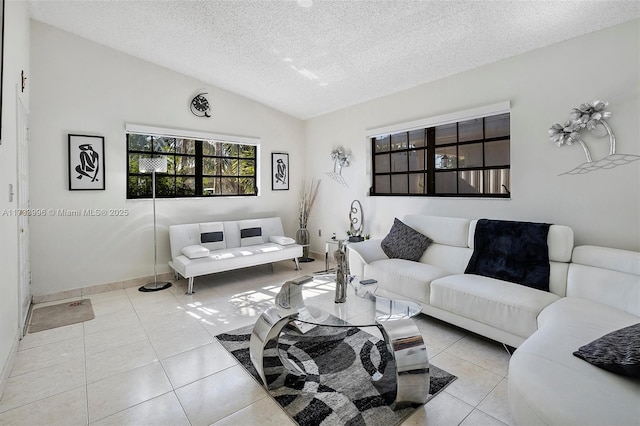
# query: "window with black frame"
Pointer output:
{"type": "Point", "coordinates": [195, 167]}
{"type": "Point", "coordinates": [468, 158]}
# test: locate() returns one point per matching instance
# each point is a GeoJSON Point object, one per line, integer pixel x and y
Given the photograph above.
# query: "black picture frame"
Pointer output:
{"type": "Point", "coordinates": [279, 171]}
{"type": "Point", "coordinates": [86, 163]}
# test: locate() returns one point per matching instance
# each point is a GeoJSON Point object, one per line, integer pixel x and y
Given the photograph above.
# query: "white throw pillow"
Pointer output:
{"type": "Point", "coordinates": [195, 251]}
{"type": "Point", "coordinates": [212, 235]}
{"type": "Point", "coordinates": [250, 232]}
{"type": "Point", "coordinates": [283, 241]}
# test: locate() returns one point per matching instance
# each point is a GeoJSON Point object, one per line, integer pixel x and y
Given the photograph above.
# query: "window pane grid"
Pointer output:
{"type": "Point", "coordinates": [469, 158]}
{"type": "Point", "coordinates": [187, 176]}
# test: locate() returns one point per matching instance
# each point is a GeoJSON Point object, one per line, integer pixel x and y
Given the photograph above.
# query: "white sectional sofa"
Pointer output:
{"type": "Point", "coordinates": [493, 308]}
{"type": "Point", "coordinates": [593, 291]}
{"type": "Point", "coordinates": [548, 385]}
{"type": "Point", "coordinates": [206, 248]}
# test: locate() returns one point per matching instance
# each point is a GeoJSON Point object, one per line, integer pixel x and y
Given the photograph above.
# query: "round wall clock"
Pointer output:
{"type": "Point", "coordinates": [200, 106]}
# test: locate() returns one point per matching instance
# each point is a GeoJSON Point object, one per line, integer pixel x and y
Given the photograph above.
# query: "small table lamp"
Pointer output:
{"type": "Point", "coordinates": [154, 165]}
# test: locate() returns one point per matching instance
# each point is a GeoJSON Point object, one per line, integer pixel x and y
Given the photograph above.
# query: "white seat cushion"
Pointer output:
{"type": "Point", "coordinates": [510, 307]}
{"type": "Point", "coordinates": [234, 258]}
{"type": "Point", "coordinates": [404, 277]}
{"type": "Point", "coordinates": [599, 318]}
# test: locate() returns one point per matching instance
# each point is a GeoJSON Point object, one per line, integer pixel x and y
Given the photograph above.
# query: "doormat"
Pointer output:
{"type": "Point", "coordinates": [59, 315]}
{"type": "Point", "coordinates": [339, 390]}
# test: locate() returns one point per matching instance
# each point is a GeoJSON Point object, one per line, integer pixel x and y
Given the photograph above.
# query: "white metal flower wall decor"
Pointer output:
{"type": "Point", "coordinates": [589, 116]}
{"type": "Point", "coordinates": [340, 159]}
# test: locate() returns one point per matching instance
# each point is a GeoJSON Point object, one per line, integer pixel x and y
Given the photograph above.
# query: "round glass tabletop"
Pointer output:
{"type": "Point", "coordinates": [314, 302]}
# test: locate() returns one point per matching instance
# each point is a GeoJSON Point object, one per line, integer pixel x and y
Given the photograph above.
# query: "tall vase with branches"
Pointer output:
{"type": "Point", "coordinates": [308, 196]}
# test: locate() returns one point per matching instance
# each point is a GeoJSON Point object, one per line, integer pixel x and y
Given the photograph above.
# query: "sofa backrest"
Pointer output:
{"type": "Point", "coordinates": [453, 243]}
{"type": "Point", "coordinates": [606, 275]}
{"type": "Point", "coordinates": [450, 249]}
{"type": "Point", "coordinates": [189, 234]}
{"type": "Point", "coordinates": [560, 243]}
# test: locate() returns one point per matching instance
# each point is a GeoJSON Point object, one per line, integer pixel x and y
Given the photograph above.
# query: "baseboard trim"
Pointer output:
{"type": "Point", "coordinates": [99, 288]}
{"type": "Point", "coordinates": [117, 285]}
{"type": "Point", "coordinates": [27, 321]}
{"type": "Point", "coordinates": [8, 366]}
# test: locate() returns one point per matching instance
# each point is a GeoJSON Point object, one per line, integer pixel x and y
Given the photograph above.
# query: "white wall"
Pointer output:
{"type": "Point", "coordinates": [82, 87]}
{"type": "Point", "coordinates": [602, 207]}
{"type": "Point", "coordinates": [16, 59]}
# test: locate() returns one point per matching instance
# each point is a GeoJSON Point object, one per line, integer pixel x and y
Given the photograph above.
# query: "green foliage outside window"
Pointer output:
{"type": "Point", "coordinates": [195, 168]}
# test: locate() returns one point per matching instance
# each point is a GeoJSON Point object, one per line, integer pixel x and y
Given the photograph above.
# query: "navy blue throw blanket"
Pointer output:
{"type": "Point", "coordinates": [511, 251]}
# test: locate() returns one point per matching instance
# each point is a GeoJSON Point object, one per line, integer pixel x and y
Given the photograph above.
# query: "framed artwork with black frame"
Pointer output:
{"type": "Point", "coordinates": [86, 163]}
{"type": "Point", "coordinates": [279, 171]}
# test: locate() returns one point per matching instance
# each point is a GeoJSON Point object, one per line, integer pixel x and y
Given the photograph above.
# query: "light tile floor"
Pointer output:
{"type": "Point", "coordinates": [152, 359]}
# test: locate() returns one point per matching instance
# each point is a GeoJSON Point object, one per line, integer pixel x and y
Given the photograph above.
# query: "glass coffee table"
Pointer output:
{"type": "Point", "coordinates": [363, 308]}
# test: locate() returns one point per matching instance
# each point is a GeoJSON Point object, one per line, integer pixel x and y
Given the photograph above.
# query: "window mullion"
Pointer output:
{"type": "Point", "coordinates": [457, 158]}
{"type": "Point", "coordinates": [484, 159]}
{"type": "Point", "coordinates": [199, 161]}
{"type": "Point", "coordinates": [431, 160]}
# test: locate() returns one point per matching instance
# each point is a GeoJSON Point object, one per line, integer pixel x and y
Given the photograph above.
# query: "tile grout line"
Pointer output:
{"type": "Point", "coordinates": [173, 389]}
{"type": "Point", "coordinates": [471, 362]}
{"type": "Point", "coordinates": [259, 282]}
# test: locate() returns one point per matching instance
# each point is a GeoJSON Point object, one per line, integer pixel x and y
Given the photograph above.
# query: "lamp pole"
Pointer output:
{"type": "Point", "coordinates": [155, 242]}
{"type": "Point", "coordinates": [155, 165]}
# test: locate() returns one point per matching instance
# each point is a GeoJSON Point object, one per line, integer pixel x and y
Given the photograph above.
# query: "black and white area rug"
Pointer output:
{"type": "Point", "coordinates": [337, 389]}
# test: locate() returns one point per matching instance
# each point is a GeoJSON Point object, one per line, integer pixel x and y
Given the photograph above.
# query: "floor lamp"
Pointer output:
{"type": "Point", "coordinates": [154, 165]}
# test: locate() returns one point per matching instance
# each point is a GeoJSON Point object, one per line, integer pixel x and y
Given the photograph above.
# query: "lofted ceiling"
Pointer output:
{"type": "Point", "coordinates": [310, 57]}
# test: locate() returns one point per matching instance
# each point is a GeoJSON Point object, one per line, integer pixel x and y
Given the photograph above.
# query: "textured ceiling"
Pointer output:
{"type": "Point", "coordinates": [307, 61]}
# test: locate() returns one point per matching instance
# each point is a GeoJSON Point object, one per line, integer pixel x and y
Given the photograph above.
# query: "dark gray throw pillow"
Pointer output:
{"type": "Point", "coordinates": [618, 351]}
{"type": "Point", "coordinates": [404, 242]}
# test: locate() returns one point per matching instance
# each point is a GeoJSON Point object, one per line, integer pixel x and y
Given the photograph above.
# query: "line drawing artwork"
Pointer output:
{"type": "Point", "coordinates": [279, 171]}
{"type": "Point", "coordinates": [86, 162]}
{"type": "Point", "coordinates": [89, 163]}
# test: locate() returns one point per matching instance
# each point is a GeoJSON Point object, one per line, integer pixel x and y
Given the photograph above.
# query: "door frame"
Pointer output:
{"type": "Point", "coordinates": [23, 205]}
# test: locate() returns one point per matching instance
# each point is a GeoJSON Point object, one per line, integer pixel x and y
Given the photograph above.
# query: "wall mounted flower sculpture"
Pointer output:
{"type": "Point", "coordinates": [340, 159]}
{"type": "Point", "coordinates": [589, 116]}
{"type": "Point", "coordinates": [586, 116]}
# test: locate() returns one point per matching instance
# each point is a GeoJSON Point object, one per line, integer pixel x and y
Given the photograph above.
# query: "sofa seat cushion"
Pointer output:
{"type": "Point", "coordinates": [404, 277]}
{"type": "Point", "coordinates": [549, 385]}
{"type": "Point", "coordinates": [510, 307]}
{"type": "Point", "coordinates": [234, 258]}
{"type": "Point", "coordinates": [597, 318]}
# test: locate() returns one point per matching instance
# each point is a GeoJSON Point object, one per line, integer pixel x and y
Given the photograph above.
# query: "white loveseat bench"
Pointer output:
{"type": "Point", "coordinates": [593, 291]}
{"type": "Point", "coordinates": [206, 248]}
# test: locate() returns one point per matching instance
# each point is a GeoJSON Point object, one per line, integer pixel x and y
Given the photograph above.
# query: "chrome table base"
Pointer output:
{"type": "Point", "coordinates": [407, 348]}
{"type": "Point", "coordinates": [402, 337]}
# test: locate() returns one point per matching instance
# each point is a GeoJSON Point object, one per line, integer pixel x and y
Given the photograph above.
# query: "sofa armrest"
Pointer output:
{"type": "Point", "coordinates": [363, 253]}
